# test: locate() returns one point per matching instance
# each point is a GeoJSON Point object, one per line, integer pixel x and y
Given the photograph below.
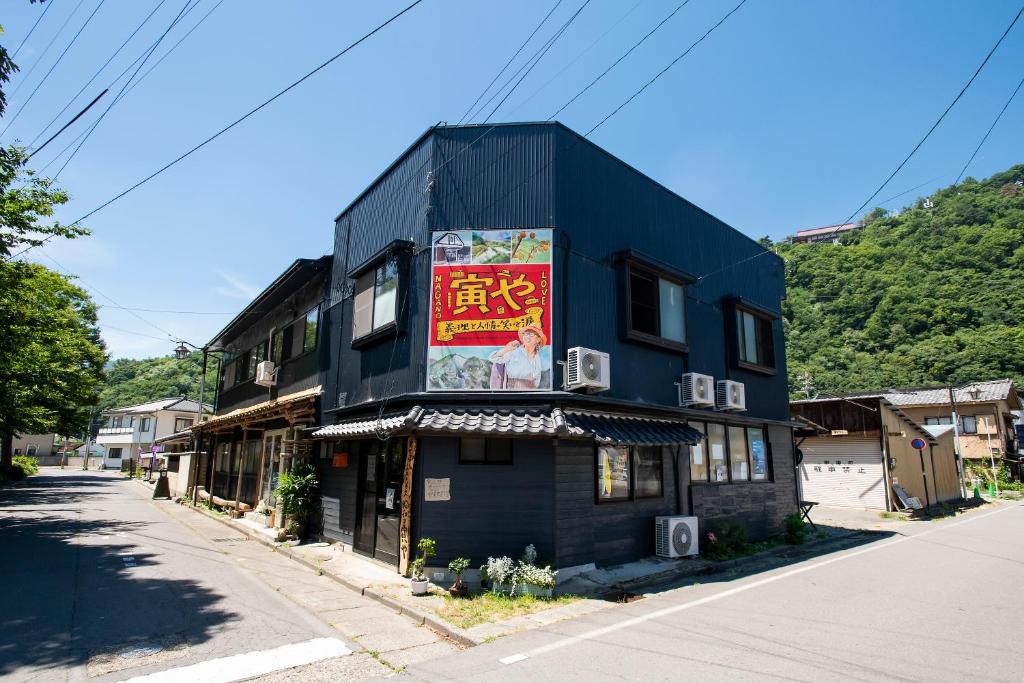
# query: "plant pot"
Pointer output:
{"type": "Point", "coordinates": [522, 589]}
{"type": "Point", "coordinates": [459, 589]}
{"type": "Point", "coordinates": [419, 586]}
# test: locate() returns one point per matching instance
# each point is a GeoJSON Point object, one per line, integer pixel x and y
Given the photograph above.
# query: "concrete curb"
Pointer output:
{"type": "Point", "coordinates": [710, 568]}
{"type": "Point", "coordinates": [415, 615]}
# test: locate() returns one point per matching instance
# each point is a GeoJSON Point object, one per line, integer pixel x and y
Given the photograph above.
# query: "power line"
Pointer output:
{"type": "Point", "coordinates": [97, 73]}
{"type": "Point", "coordinates": [622, 57]}
{"type": "Point", "coordinates": [551, 43]}
{"type": "Point", "coordinates": [162, 310]}
{"type": "Point", "coordinates": [510, 60]}
{"type": "Point", "coordinates": [137, 334]}
{"type": "Point", "coordinates": [74, 39]}
{"type": "Point", "coordinates": [248, 114]}
{"type": "Point", "coordinates": [941, 117]}
{"type": "Point", "coordinates": [33, 29]}
{"type": "Point", "coordinates": [68, 124]}
{"type": "Point", "coordinates": [46, 49]}
{"type": "Point", "coordinates": [989, 131]}
{"type": "Point", "coordinates": [120, 94]}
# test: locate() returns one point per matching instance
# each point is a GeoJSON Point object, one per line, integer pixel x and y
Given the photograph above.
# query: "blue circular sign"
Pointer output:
{"type": "Point", "coordinates": [919, 444]}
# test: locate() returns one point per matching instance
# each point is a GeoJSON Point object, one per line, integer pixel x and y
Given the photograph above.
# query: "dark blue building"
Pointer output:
{"type": "Point", "coordinates": [414, 444]}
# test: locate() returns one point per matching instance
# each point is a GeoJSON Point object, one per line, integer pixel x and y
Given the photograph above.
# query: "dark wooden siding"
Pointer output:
{"type": "Point", "coordinates": [606, 533]}
{"type": "Point", "coordinates": [494, 509]}
{"type": "Point", "coordinates": [340, 484]}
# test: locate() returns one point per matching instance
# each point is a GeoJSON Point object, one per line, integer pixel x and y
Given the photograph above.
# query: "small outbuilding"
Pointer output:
{"type": "Point", "coordinates": [861, 453]}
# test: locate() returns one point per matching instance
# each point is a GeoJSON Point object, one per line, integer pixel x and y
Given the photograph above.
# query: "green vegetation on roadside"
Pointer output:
{"type": "Point", "coordinates": [486, 607]}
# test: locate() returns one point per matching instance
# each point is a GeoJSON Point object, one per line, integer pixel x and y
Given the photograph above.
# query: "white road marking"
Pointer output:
{"type": "Point", "coordinates": [251, 664]}
{"type": "Point", "coordinates": [628, 623]}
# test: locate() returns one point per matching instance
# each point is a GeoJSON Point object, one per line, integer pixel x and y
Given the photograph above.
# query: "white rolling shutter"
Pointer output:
{"type": "Point", "coordinates": [843, 472]}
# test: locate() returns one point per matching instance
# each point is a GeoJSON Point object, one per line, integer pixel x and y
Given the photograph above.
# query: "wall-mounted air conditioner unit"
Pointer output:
{"type": "Point", "coordinates": [731, 396]}
{"type": "Point", "coordinates": [587, 369]}
{"type": "Point", "coordinates": [266, 374]}
{"type": "Point", "coordinates": [675, 536]}
{"type": "Point", "coordinates": [696, 389]}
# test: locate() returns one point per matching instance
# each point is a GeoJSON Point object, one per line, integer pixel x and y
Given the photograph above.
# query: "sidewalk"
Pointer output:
{"type": "Point", "coordinates": [387, 637]}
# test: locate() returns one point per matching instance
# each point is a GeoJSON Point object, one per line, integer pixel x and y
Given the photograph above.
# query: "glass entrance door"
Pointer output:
{"type": "Point", "coordinates": [366, 508]}
{"type": "Point", "coordinates": [391, 470]}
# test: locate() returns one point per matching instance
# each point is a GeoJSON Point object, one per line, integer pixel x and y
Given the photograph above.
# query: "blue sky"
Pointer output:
{"type": "Point", "coordinates": [787, 117]}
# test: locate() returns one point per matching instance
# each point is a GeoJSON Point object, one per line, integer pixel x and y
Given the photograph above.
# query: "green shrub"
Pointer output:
{"type": "Point", "coordinates": [795, 529]}
{"type": "Point", "coordinates": [729, 542]}
{"type": "Point", "coordinates": [297, 493]}
{"type": "Point", "coordinates": [28, 464]}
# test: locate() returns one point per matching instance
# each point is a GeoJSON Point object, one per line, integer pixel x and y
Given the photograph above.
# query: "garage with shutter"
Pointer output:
{"type": "Point", "coordinates": [843, 472]}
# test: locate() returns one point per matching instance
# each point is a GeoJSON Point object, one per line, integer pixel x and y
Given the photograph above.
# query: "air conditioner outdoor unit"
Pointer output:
{"type": "Point", "coordinates": [696, 389]}
{"type": "Point", "coordinates": [266, 374]}
{"type": "Point", "coordinates": [675, 536]}
{"type": "Point", "coordinates": [587, 369]}
{"type": "Point", "coordinates": [730, 396]}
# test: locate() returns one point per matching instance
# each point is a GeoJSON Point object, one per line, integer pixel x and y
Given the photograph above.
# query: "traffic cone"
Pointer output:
{"type": "Point", "coordinates": [992, 490]}
{"type": "Point", "coordinates": [977, 491]}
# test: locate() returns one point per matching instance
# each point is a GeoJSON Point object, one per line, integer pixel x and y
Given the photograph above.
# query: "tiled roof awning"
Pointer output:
{"type": "Point", "coordinates": [633, 430]}
{"type": "Point", "coordinates": [605, 428]}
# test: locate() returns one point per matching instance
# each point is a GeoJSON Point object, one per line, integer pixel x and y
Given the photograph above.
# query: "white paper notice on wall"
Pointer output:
{"type": "Point", "coordinates": [717, 451]}
{"type": "Point", "coordinates": [697, 454]}
{"type": "Point", "coordinates": [437, 489]}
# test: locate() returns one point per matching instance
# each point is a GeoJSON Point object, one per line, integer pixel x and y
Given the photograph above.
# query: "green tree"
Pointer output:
{"type": "Point", "coordinates": [51, 354]}
{"type": "Point", "coordinates": [132, 381]}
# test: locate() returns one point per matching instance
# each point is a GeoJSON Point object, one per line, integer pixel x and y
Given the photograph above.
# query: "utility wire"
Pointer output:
{"type": "Point", "coordinates": [117, 99]}
{"type": "Point", "coordinates": [46, 49]}
{"type": "Point", "coordinates": [33, 29]}
{"type": "Point", "coordinates": [510, 60]}
{"type": "Point", "coordinates": [551, 43]}
{"type": "Point", "coordinates": [941, 117]}
{"type": "Point", "coordinates": [68, 124]}
{"type": "Point", "coordinates": [98, 72]}
{"type": "Point", "coordinates": [247, 114]}
{"type": "Point", "coordinates": [622, 57]}
{"type": "Point", "coordinates": [74, 39]}
{"type": "Point", "coordinates": [989, 131]}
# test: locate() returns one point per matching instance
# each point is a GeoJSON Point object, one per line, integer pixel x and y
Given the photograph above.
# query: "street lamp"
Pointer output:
{"type": "Point", "coordinates": [181, 353]}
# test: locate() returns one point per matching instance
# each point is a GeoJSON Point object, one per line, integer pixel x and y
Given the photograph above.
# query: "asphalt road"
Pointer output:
{"type": "Point", "coordinates": [99, 584]}
{"type": "Point", "coordinates": [939, 601]}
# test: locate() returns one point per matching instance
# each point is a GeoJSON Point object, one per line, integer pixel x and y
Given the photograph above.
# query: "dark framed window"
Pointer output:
{"type": "Point", "coordinates": [131, 421]}
{"type": "Point", "coordinates": [114, 453]}
{"type": "Point", "coordinates": [614, 474]}
{"type": "Point", "coordinates": [116, 421]}
{"type": "Point", "coordinates": [629, 473]}
{"type": "Point", "coordinates": [277, 346]}
{"type": "Point", "coordinates": [649, 471]}
{"type": "Point", "coordinates": [311, 322]}
{"type": "Point", "coordinates": [144, 424]}
{"type": "Point", "coordinates": [182, 423]}
{"type": "Point", "coordinates": [757, 454]}
{"type": "Point", "coordinates": [970, 424]}
{"type": "Point", "coordinates": [228, 374]}
{"type": "Point", "coordinates": [699, 465]}
{"type": "Point", "coordinates": [240, 373]}
{"type": "Point", "coordinates": [754, 340]}
{"type": "Point", "coordinates": [173, 463]}
{"type": "Point", "coordinates": [655, 305]}
{"type": "Point", "coordinates": [719, 467]}
{"type": "Point", "coordinates": [375, 306]}
{"type": "Point", "coordinates": [485, 451]}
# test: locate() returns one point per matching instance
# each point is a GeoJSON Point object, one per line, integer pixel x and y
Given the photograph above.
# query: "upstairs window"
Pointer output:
{"type": "Point", "coordinates": [970, 424]}
{"type": "Point", "coordinates": [753, 339]}
{"type": "Point", "coordinates": [311, 323]}
{"type": "Point", "coordinates": [182, 423]}
{"type": "Point", "coordinates": [483, 451]}
{"type": "Point", "coordinates": [654, 302]}
{"type": "Point", "coordinates": [376, 300]}
{"type": "Point", "coordinates": [144, 424]}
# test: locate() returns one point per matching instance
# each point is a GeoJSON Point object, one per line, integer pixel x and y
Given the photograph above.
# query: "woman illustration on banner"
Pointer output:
{"type": "Point", "coordinates": [517, 364]}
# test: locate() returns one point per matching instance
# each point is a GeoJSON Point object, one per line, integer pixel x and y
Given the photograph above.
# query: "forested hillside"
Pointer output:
{"type": "Point", "coordinates": [931, 295]}
{"type": "Point", "coordinates": [137, 381]}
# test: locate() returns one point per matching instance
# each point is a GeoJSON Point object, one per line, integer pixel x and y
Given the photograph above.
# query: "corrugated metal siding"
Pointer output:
{"type": "Point", "coordinates": [843, 472]}
{"type": "Point", "coordinates": [503, 179]}
{"type": "Point", "coordinates": [605, 206]}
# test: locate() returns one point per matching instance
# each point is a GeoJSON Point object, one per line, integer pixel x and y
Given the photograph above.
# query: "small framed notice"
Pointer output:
{"type": "Point", "coordinates": [437, 489]}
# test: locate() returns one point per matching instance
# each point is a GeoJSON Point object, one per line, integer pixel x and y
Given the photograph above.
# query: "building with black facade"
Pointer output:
{"type": "Point", "coordinates": [486, 268]}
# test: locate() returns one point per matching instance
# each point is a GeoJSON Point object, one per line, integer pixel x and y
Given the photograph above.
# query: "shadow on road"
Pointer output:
{"type": "Point", "coordinates": [71, 588]}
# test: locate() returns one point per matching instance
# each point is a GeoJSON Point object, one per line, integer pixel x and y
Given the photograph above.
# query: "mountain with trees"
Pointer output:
{"type": "Point", "coordinates": [931, 295]}
{"type": "Point", "coordinates": [130, 382]}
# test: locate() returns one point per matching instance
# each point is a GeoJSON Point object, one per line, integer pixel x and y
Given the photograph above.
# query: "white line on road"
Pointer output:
{"type": "Point", "coordinates": [628, 623]}
{"type": "Point", "coordinates": [251, 664]}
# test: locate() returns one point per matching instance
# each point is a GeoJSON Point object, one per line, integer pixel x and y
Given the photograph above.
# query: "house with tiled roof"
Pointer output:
{"type": "Point", "coordinates": [131, 431]}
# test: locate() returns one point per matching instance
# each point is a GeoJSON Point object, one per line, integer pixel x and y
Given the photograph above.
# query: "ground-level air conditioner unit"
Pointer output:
{"type": "Point", "coordinates": [675, 536]}
{"type": "Point", "coordinates": [587, 369]}
{"type": "Point", "coordinates": [266, 374]}
{"type": "Point", "coordinates": [696, 389]}
{"type": "Point", "coordinates": [730, 395]}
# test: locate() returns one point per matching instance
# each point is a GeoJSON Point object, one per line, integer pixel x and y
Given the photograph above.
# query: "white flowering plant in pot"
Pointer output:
{"type": "Point", "coordinates": [519, 578]}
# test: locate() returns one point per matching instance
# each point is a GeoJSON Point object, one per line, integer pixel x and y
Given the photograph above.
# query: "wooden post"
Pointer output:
{"type": "Point", "coordinates": [211, 463]}
{"type": "Point", "coordinates": [405, 523]}
{"type": "Point", "coordinates": [263, 458]}
{"type": "Point", "coordinates": [241, 468]}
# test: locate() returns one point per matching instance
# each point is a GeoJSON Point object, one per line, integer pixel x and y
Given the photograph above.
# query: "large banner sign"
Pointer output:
{"type": "Point", "coordinates": [490, 311]}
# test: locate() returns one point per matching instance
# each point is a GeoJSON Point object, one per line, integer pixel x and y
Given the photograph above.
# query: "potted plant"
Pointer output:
{"type": "Point", "coordinates": [297, 494]}
{"type": "Point", "coordinates": [457, 566]}
{"type": "Point", "coordinates": [419, 583]}
{"type": "Point", "coordinates": [499, 574]}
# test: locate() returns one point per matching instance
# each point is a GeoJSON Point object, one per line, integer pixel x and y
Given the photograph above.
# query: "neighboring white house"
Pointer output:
{"type": "Point", "coordinates": [132, 429]}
